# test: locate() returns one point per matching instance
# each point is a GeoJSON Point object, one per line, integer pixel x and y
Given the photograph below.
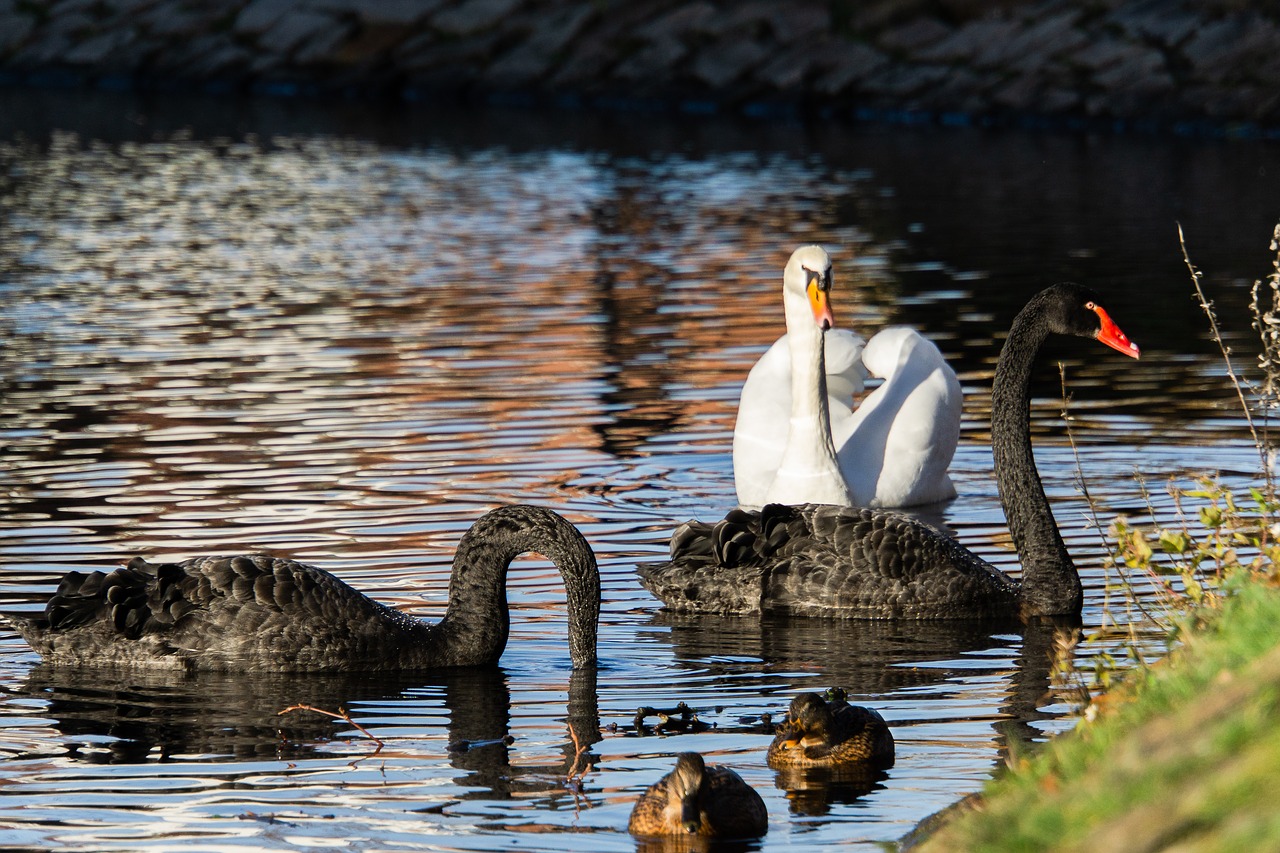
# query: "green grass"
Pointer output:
{"type": "Point", "coordinates": [1184, 756]}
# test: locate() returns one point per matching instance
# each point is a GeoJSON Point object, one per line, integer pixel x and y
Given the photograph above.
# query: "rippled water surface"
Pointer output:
{"type": "Point", "coordinates": [343, 337]}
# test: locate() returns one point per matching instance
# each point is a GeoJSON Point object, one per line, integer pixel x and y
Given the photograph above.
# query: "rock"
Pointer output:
{"type": "Point", "coordinates": [1036, 45]}
{"type": "Point", "coordinates": [260, 14]}
{"type": "Point", "coordinates": [1141, 69]}
{"type": "Point", "coordinates": [170, 20]}
{"type": "Point", "coordinates": [914, 36]}
{"type": "Point", "coordinates": [382, 13]}
{"type": "Point", "coordinates": [1158, 20]}
{"type": "Point", "coordinates": [654, 61]}
{"type": "Point", "coordinates": [902, 82]}
{"type": "Point", "coordinates": [49, 44]}
{"type": "Point", "coordinates": [965, 10]}
{"type": "Point", "coordinates": [324, 44]}
{"type": "Point", "coordinates": [534, 58]}
{"type": "Point", "coordinates": [15, 28]}
{"type": "Point", "coordinates": [871, 17]}
{"type": "Point", "coordinates": [728, 63]}
{"type": "Point", "coordinates": [473, 16]}
{"type": "Point", "coordinates": [680, 22]}
{"type": "Point", "coordinates": [1103, 53]}
{"type": "Point", "coordinates": [293, 28]}
{"type": "Point", "coordinates": [786, 69]}
{"type": "Point", "coordinates": [129, 8]}
{"type": "Point", "coordinates": [970, 42]}
{"type": "Point", "coordinates": [430, 53]}
{"type": "Point", "coordinates": [851, 63]}
{"type": "Point", "coordinates": [963, 90]}
{"type": "Point", "coordinates": [785, 23]}
{"type": "Point", "coordinates": [209, 57]}
{"type": "Point", "coordinates": [1225, 51]}
{"type": "Point", "coordinates": [100, 48]}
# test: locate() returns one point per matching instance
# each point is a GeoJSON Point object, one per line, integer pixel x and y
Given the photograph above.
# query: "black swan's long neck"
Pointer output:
{"type": "Point", "coordinates": [1050, 583]}
{"type": "Point", "coordinates": [475, 626]}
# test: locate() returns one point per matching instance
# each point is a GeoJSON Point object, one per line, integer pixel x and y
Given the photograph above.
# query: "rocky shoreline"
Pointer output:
{"type": "Point", "coordinates": [1163, 63]}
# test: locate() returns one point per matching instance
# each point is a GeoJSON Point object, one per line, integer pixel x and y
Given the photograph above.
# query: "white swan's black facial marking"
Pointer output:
{"type": "Point", "coordinates": [820, 278]}
{"type": "Point", "coordinates": [818, 288]}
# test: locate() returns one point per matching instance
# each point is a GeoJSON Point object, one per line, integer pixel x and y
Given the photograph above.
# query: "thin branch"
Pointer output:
{"type": "Point", "coordinates": [340, 715]}
{"type": "Point", "coordinates": [577, 773]}
{"type": "Point", "coordinates": [1132, 597]}
{"type": "Point", "coordinates": [1207, 307]}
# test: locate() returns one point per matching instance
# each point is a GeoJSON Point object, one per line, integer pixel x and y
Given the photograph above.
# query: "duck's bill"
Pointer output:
{"type": "Point", "coordinates": [1111, 335]}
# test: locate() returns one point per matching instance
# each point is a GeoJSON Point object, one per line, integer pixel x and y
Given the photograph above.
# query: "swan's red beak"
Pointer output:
{"type": "Point", "coordinates": [1111, 335]}
{"type": "Point", "coordinates": [821, 305]}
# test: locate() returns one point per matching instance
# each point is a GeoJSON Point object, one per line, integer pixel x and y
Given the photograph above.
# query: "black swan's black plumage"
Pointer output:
{"type": "Point", "coordinates": [837, 561]}
{"type": "Point", "coordinates": [261, 613]}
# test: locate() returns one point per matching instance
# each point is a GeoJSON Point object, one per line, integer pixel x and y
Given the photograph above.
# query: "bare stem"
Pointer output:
{"type": "Point", "coordinates": [1207, 307]}
{"type": "Point", "coordinates": [579, 769]}
{"type": "Point", "coordinates": [1132, 596]}
{"type": "Point", "coordinates": [341, 714]}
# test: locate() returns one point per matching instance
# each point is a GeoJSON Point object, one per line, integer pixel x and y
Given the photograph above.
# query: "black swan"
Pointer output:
{"type": "Point", "coordinates": [831, 733]}
{"type": "Point", "coordinates": [256, 613]}
{"type": "Point", "coordinates": [841, 561]}
{"type": "Point", "coordinates": [702, 800]}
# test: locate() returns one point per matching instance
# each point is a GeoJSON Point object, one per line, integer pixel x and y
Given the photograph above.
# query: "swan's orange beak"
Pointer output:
{"type": "Point", "coordinates": [820, 300]}
{"type": "Point", "coordinates": [1111, 335]}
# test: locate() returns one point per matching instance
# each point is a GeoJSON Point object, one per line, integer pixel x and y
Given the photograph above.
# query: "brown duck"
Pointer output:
{"type": "Point", "coordinates": [822, 733]}
{"type": "Point", "coordinates": [702, 800]}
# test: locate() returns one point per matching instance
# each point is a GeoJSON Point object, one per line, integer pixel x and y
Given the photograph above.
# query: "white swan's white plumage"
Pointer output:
{"type": "Point", "coordinates": [764, 408]}
{"type": "Point", "coordinates": [892, 450]}
{"type": "Point", "coordinates": [895, 448]}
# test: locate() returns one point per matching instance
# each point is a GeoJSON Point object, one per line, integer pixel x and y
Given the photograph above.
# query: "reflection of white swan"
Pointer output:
{"type": "Point", "coordinates": [893, 450]}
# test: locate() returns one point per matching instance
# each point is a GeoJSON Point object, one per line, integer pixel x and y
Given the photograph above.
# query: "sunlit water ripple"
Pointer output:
{"type": "Point", "coordinates": [345, 351]}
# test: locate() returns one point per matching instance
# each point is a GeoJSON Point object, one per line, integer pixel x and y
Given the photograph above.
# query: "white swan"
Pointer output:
{"type": "Point", "coordinates": [764, 408]}
{"type": "Point", "coordinates": [893, 450]}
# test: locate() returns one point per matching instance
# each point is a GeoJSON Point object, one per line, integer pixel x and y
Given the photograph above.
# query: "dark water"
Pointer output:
{"type": "Point", "coordinates": [341, 335]}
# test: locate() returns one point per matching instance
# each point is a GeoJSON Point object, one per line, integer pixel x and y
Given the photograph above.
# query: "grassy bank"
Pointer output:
{"type": "Point", "coordinates": [1184, 756]}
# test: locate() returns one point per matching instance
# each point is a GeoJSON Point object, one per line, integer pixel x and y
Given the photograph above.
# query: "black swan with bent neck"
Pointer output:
{"type": "Point", "coordinates": [257, 613]}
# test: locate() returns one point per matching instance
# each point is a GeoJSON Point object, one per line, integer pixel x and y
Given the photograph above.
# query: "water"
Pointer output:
{"type": "Point", "coordinates": [341, 336]}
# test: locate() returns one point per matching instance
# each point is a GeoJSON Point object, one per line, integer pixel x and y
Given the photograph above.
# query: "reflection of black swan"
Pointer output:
{"type": "Point", "coordinates": [109, 715]}
{"type": "Point", "coordinates": [697, 799]}
{"type": "Point", "coordinates": [829, 560]}
{"type": "Point", "coordinates": [258, 613]}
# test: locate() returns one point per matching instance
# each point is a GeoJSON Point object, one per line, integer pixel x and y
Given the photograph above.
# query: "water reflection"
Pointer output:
{"type": "Point", "coordinates": [343, 347]}
{"type": "Point", "coordinates": [695, 844]}
{"type": "Point", "coordinates": [129, 717]}
{"type": "Point", "coordinates": [811, 791]}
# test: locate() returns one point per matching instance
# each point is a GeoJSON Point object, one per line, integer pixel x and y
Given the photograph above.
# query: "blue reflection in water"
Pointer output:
{"type": "Point", "coordinates": [345, 351]}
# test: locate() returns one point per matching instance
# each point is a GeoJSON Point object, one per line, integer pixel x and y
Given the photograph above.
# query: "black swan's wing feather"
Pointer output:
{"type": "Point", "coordinates": [255, 609]}
{"type": "Point", "coordinates": [826, 560]}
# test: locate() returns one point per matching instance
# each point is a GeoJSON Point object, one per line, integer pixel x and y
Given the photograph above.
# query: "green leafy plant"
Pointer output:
{"type": "Point", "coordinates": [1220, 537]}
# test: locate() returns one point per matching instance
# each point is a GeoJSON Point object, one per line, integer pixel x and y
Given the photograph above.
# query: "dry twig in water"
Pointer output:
{"type": "Point", "coordinates": [340, 715]}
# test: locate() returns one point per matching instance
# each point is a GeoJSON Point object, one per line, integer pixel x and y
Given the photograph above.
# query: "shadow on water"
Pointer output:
{"type": "Point", "coordinates": [130, 717]}
{"type": "Point", "coordinates": [871, 660]}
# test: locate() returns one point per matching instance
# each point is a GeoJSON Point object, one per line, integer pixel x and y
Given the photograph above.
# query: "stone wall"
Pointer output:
{"type": "Point", "coordinates": [1162, 61]}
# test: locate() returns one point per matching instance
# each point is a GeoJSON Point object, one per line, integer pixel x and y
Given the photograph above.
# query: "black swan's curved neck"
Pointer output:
{"type": "Point", "coordinates": [477, 622]}
{"type": "Point", "coordinates": [1050, 583]}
